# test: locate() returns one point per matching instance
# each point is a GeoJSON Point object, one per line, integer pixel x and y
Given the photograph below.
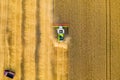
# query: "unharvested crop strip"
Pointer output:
{"type": "Point", "coordinates": [3, 23]}
{"type": "Point", "coordinates": [45, 66]}
{"type": "Point", "coordinates": [11, 32]}
{"type": "Point", "coordinates": [29, 39]}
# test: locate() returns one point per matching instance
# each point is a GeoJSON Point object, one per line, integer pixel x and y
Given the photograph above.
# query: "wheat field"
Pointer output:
{"type": "Point", "coordinates": [94, 29]}
{"type": "Point", "coordinates": [28, 46]}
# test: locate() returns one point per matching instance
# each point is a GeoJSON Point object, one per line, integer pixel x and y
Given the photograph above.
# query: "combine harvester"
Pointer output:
{"type": "Point", "coordinates": [61, 35]}
{"type": "Point", "coordinates": [61, 30]}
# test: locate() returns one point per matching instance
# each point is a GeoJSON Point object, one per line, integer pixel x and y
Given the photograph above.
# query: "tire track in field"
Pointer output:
{"type": "Point", "coordinates": [37, 40]}
{"type": "Point", "coordinates": [23, 40]}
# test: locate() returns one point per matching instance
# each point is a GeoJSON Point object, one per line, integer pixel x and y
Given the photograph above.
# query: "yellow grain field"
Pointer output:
{"type": "Point", "coordinates": [13, 30]}
{"type": "Point", "coordinates": [3, 22]}
{"type": "Point", "coordinates": [52, 61]}
{"type": "Point", "coordinates": [29, 39]}
{"type": "Point", "coordinates": [28, 46]}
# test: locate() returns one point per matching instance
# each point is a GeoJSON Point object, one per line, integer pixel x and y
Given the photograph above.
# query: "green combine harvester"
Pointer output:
{"type": "Point", "coordinates": [61, 31]}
